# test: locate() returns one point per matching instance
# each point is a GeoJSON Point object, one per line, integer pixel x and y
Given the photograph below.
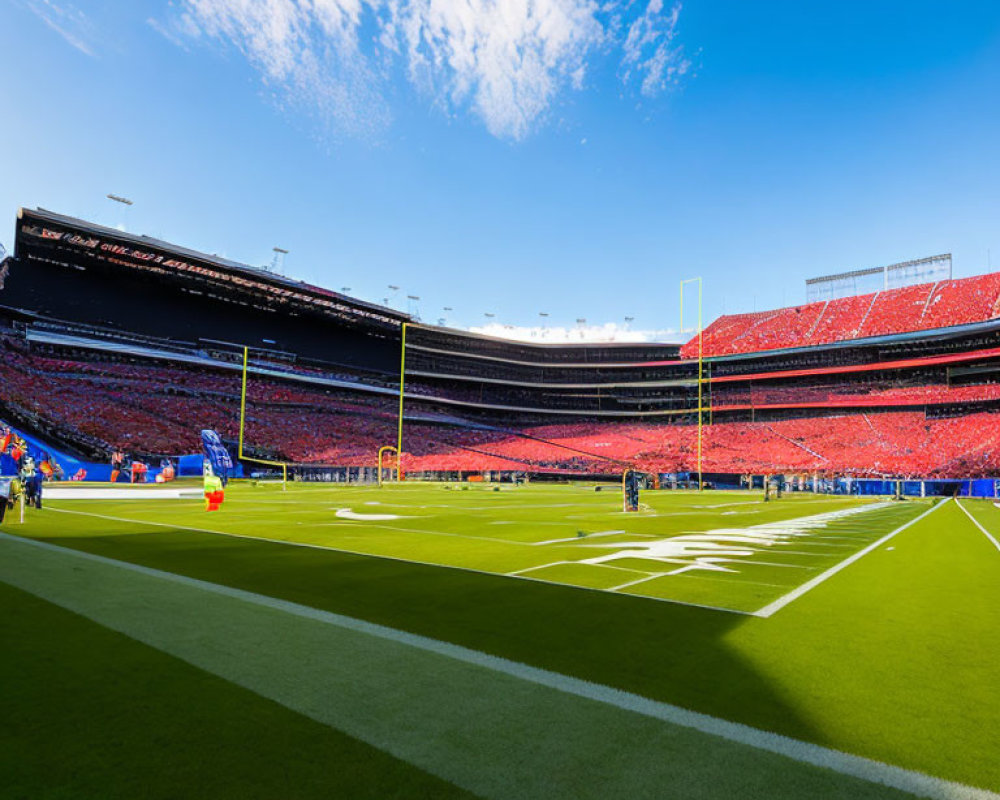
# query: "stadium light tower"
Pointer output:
{"type": "Point", "coordinates": [411, 307]}
{"type": "Point", "coordinates": [278, 260]}
{"type": "Point", "coordinates": [345, 289]}
{"type": "Point", "coordinates": [395, 292]}
{"type": "Point", "coordinates": [123, 201]}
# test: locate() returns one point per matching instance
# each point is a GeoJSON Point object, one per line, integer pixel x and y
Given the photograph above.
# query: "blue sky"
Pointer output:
{"type": "Point", "coordinates": [561, 157]}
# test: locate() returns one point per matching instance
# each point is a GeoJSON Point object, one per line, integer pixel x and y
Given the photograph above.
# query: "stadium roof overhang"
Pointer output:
{"type": "Point", "coordinates": [47, 236]}
{"type": "Point", "coordinates": [461, 344]}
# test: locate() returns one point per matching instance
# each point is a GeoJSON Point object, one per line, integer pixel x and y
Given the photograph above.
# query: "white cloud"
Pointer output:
{"type": "Point", "coordinates": [506, 61]}
{"type": "Point", "coordinates": [66, 20]}
{"type": "Point", "coordinates": [608, 332]}
{"type": "Point", "coordinates": [507, 58]}
{"type": "Point", "coordinates": [308, 48]}
{"type": "Point", "coordinates": [649, 49]}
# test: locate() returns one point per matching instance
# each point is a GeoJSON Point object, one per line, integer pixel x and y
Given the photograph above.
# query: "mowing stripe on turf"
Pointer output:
{"type": "Point", "coordinates": [494, 726]}
{"type": "Point", "coordinates": [975, 522]}
{"type": "Point", "coordinates": [795, 594]}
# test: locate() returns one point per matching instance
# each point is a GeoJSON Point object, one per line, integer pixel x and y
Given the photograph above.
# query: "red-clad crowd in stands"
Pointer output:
{"type": "Point", "coordinates": [158, 408]}
{"type": "Point", "coordinates": [848, 396]}
{"type": "Point", "coordinates": [911, 308]}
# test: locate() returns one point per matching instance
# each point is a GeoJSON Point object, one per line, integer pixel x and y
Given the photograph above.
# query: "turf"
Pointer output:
{"type": "Point", "coordinates": [90, 713]}
{"type": "Point", "coordinates": [497, 733]}
{"type": "Point", "coordinates": [554, 534]}
{"type": "Point", "coordinates": [894, 658]}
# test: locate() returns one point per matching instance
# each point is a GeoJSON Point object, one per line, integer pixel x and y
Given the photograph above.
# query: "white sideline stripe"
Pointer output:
{"type": "Point", "coordinates": [772, 608]}
{"type": "Point", "coordinates": [866, 769]}
{"type": "Point", "coordinates": [975, 522]}
{"type": "Point", "coordinates": [367, 554]}
{"type": "Point", "coordinates": [124, 494]}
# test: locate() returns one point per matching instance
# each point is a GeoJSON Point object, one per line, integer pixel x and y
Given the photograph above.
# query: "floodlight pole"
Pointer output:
{"type": "Point", "coordinates": [402, 383]}
{"type": "Point", "coordinates": [701, 362]}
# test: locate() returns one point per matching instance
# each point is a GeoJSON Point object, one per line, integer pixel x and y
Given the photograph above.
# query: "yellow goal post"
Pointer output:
{"type": "Point", "coordinates": [243, 413]}
{"type": "Point", "coordinates": [389, 448]}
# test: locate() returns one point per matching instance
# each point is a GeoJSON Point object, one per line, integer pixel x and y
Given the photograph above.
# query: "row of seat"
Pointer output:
{"type": "Point", "coordinates": [151, 409]}
{"type": "Point", "coordinates": [911, 308]}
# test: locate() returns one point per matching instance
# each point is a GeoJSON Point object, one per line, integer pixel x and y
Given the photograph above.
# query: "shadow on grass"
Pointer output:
{"type": "Point", "coordinates": [660, 650]}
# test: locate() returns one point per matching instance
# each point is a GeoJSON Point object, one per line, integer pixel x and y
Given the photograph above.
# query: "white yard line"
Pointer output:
{"type": "Point", "coordinates": [577, 538]}
{"type": "Point", "coordinates": [865, 769]}
{"type": "Point", "coordinates": [772, 608]}
{"type": "Point", "coordinates": [731, 581]}
{"type": "Point", "coordinates": [975, 522]}
{"type": "Point", "coordinates": [637, 580]}
{"type": "Point", "coordinates": [519, 572]}
{"type": "Point", "coordinates": [368, 526]}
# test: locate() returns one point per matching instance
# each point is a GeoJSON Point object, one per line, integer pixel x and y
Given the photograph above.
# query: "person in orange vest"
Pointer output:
{"type": "Point", "coordinates": [117, 457]}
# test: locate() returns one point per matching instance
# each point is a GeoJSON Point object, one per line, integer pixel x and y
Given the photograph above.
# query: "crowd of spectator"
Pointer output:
{"type": "Point", "coordinates": [736, 397]}
{"type": "Point", "coordinates": [911, 308]}
{"type": "Point", "coordinates": [102, 403]}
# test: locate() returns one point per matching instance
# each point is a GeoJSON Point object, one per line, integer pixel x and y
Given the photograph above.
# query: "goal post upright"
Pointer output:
{"type": "Point", "coordinates": [701, 369]}
{"type": "Point", "coordinates": [243, 413]}
{"type": "Point", "coordinates": [399, 422]}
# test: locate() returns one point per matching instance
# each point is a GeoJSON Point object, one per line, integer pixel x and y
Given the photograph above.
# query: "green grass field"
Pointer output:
{"type": "Point", "coordinates": [531, 642]}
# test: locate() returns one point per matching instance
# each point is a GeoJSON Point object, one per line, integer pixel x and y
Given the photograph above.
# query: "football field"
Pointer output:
{"type": "Point", "coordinates": [535, 641]}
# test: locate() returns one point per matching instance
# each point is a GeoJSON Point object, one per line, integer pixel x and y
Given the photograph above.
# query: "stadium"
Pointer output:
{"type": "Point", "coordinates": [499, 399]}
{"type": "Point", "coordinates": [421, 580]}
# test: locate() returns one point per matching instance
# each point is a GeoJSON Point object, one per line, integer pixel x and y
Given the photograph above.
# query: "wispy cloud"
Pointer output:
{"type": "Point", "coordinates": [68, 21]}
{"type": "Point", "coordinates": [507, 58]}
{"type": "Point", "coordinates": [650, 51]}
{"type": "Point", "coordinates": [505, 61]}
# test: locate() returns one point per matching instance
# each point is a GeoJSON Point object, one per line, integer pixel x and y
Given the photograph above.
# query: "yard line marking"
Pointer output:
{"type": "Point", "coordinates": [576, 538]}
{"type": "Point", "coordinates": [875, 772]}
{"type": "Point", "coordinates": [517, 572]}
{"type": "Point", "coordinates": [363, 525]}
{"type": "Point", "coordinates": [772, 608]}
{"type": "Point", "coordinates": [975, 522]}
{"type": "Point", "coordinates": [731, 581]}
{"type": "Point", "coordinates": [369, 554]}
{"type": "Point", "coordinates": [767, 563]}
{"type": "Point", "coordinates": [637, 580]}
